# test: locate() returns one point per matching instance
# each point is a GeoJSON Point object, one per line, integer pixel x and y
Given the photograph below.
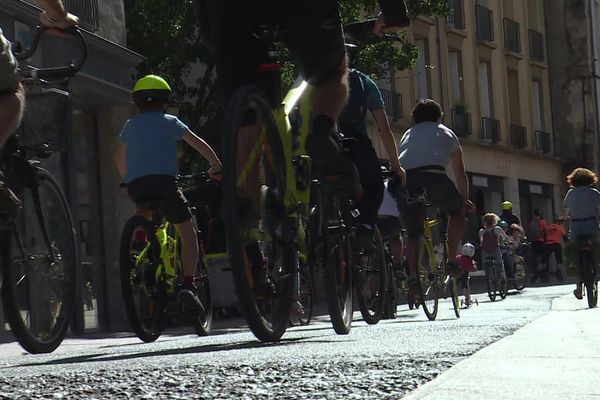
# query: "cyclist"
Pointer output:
{"type": "Point", "coordinates": [467, 265]}
{"type": "Point", "coordinates": [12, 96]}
{"type": "Point", "coordinates": [147, 160]}
{"type": "Point", "coordinates": [554, 235]}
{"type": "Point", "coordinates": [427, 150]}
{"type": "Point", "coordinates": [582, 206]}
{"type": "Point", "coordinates": [508, 216]}
{"type": "Point", "coordinates": [312, 30]}
{"type": "Point", "coordinates": [365, 96]}
{"type": "Point", "coordinates": [536, 233]}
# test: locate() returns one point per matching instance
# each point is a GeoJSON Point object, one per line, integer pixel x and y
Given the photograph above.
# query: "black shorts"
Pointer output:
{"type": "Point", "coordinates": [441, 192]}
{"type": "Point", "coordinates": [311, 29]}
{"type": "Point", "coordinates": [162, 188]}
{"type": "Point", "coordinates": [553, 248]}
{"type": "Point", "coordinates": [538, 248]}
{"type": "Point", "coordinates": [389, 226]}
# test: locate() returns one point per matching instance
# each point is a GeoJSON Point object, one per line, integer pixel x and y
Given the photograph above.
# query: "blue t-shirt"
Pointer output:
{"type": "Point", "coordinates": [364, 96]}
{"type": "Point", "coordinates": [583, 203]}
{"type": "Point", "coordinates": [151, 139]}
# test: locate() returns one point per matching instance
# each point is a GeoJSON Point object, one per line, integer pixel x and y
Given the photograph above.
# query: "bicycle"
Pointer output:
{"type": "Point", "coordinates": [151, 272]}
{"type": "Point", "coordinates": [280, 216]}
{"type": "Point", "coordinates": [432, 257]}
{"type": "Point", "coordinates": [495, 279]}
{"type": "Point", "coordinates": [588, 268]}
{"type": "Point", "coordinates": [40, 261]}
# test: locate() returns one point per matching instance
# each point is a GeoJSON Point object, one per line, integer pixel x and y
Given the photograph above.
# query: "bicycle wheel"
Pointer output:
{"type": "Point", "coordinates": [520, 276]}
{"type": "Point", "coordinates": [143, 293]}
{"type": "Point", "coordinates": [502, 284]}
{"type": "Point", "coordinates": [371, 279]}
{"type": "Point", "coordinates": [264, 267]}
{"type": "Point", "coordinates": [428, 280]}
{"type": "Point", "coordinates": [41, 267]}
{"type": "Point", "coordinates": [203, 324]}
{"type": "Point", "coordinates": [306, 294]}
{"type": "Point", "coordinates": [338, 268]}
{"type": "Point", "coordinates": [454, 285]}
{"type": "Point", "coordinates": [490, 280]}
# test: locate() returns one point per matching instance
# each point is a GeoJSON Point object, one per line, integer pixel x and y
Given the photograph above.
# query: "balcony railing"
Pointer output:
{"type": "Point", "coordinates": [542, 142]}
{"type": "Point", "coordinates": [490, 129]}
{"type": "Point", "coordinates": [518, 136]}
{"type": "Point", "coordinates": [485, 29]}
{"type": "Point", "coordinates": [461, 122]}
{"type": "Point", "coordinates": [393, 104]}
{"type": "Point", "coordinates": [512, 37]}
{"type": "Point", "coordinates": [536, 45]}
{"type": "Point", "coordinates": [457, 18]}
{"type": "Point", "coordinates": [86, 10]}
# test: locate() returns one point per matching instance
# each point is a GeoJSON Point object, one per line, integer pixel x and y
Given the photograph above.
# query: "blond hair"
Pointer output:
{"type": "Point", "coordinates": [490, 219]}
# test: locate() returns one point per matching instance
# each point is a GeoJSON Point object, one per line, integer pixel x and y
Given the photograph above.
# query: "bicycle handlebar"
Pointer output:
{"type": "Point", "coordinates": [52, 73]}
{"type": "Point", "coordinates": [362, 31]}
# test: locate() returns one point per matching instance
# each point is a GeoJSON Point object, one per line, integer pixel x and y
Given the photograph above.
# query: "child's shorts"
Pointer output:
{"type": "Point", "coordinates": [162, 188]}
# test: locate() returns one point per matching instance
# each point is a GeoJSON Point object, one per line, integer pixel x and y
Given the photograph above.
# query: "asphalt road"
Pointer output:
{"type": "Point", "coordinates": [387, 360]}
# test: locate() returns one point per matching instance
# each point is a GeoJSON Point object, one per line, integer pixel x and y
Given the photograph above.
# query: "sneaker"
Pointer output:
{"type": "Point", "coordinates": [578, 294]}
{"type": "Point", "coordinates": [189, 300]}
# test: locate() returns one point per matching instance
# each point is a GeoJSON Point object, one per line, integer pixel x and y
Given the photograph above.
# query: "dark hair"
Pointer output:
{"type": "Point", "coordinates": [426, 110]}
{"type": "Point", "coordinates": [581, 177]}
{"type": "Point", "coordinates": [538, 212]}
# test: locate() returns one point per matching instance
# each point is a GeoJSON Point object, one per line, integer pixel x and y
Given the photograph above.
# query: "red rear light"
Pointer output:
{"type": "Point", "coordinates": [140, 236]}
{"type": "Point", "coordinates": [270, 67]}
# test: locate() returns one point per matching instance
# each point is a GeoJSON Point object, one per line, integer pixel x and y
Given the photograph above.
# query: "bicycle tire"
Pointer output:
{"type": "Point", "coordinates": [253, 174]}
{"type": "Point", "coordinates": [142, 293]}
{"type": "Point", "coordinates": [39, 260]}
{"type": "Point", "coordinates": [429, 290]}
{"type": "Point", "coordinates": [371, 299]}
{"type": "Point", "coordinates": [454, 291]}
{"type": "Point", "coordinates": [203, 324]}
{"type": "Point", "coordinates": [337, 250]}
{"type": "Point", "coordinates": [502, 285]}
{"type": "Point", "coordinates": [490, 280]}
{"type": "Point", "coordinates": [306, 295]}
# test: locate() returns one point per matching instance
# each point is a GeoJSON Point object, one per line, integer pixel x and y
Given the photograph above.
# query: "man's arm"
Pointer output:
{"type": "Point", "coordinates": [120, 158]}
{"type": "Point", "coordinates": [205, 151]}
{"type": "Point", "coordinates": [55, 14]}
{"type": "Point", "coordinates": [462, 183]}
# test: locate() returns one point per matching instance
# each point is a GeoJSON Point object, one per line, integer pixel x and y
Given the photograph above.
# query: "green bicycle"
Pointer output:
{"type": "Point", "coordinates": [151, 274]}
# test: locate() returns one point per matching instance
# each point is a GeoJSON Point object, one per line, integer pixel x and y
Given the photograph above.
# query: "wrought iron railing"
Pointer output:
{"type": "Point", "coordinates": [536, 45]}
{"type": "Point", "coordinates": [86, 10]}
{"type": "Point", "coordinates": [490, 129]}
{"type": "Point", "coordinates": [393, 103]}
{"type": "Point", "coordinates": [485, 29]}
{"type": "Point", "coordinates": [512, 36]}
{"type": "Point", "coordinates": [461, 122]}
{"type": "Point", "coordinates": [518, 136]}
{"type": "Point", "coordinates": [457, 18]}
{"type": "Point", "coordinates": [542, 142]}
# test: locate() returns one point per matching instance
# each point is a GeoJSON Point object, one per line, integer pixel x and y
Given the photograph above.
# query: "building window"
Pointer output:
{"type": "Point", "coordinates": [542, 142]}
{"type": "Point", "coordinates": [455, 76]}
{"type": "Point", "coordinates": [461, 122]}
{"type": "Point", "coordinates": [393, 103]}
{"type": "Point", "coordinates": [485, 28]}
{"type": "Point", "coordinates": [490, 129]}
{"type": "Point", "coordinates": [536, 105]}
{"type": "Point", "coordinates": [512, 38]}
{"type": "Point", "coordinates": [86, 10]}
{"type": "Point", "coordinates": [518, 136]}
{"type": "Point", "coordinates": [485, 91]}
{"type": "Point", "coordinates": [536, 45]}
{"type": "Point", "coordinates": [457, 18]}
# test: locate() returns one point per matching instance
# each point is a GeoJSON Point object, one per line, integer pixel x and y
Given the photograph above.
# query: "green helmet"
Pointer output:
{"type": "Point", "coordinates": [506, 205]}
{"type": "Point", "coordinates": [151, 88]}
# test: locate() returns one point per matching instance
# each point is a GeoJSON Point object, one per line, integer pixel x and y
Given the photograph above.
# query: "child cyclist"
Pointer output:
{"type": "Point", "coordinates": [490, 237]}
{"type": "Point", "coordinates": [467, 264]}
{"type": "Point", "coordinates": [582, 206]}
{"type": "Point", "coordinates": [147, 161]}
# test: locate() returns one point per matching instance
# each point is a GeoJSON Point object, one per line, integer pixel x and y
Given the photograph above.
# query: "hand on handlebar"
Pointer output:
{"type": "Point", "coordinates": [216, 173]}
{"type": "Point", "coordinates": [65, 22]}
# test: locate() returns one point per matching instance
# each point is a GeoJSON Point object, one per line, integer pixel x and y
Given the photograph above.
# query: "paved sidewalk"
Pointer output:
{"type": "Point", "coordinates": [554, 357]}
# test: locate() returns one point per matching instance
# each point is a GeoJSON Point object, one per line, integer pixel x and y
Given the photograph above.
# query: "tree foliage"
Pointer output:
{"type": "Point", "coordinates": [167, 34]}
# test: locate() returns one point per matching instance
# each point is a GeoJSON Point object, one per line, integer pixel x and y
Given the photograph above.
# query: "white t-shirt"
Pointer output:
{"type": "Point", "coordinates": [427, 143]}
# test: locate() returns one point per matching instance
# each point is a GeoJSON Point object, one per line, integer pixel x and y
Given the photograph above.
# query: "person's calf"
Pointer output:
{"type": "Point", "coordinates": [11, 112]}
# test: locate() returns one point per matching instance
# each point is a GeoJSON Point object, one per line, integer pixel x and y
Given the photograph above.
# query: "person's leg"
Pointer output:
{"type": "Point", "coordinates": [558, 256]}
{"type": "Point", "coordinates": [12, 105]}
{"type": "Point", "coordinates": [189, 249]}
{"type": "Point", "coordinates": [456, 229]}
